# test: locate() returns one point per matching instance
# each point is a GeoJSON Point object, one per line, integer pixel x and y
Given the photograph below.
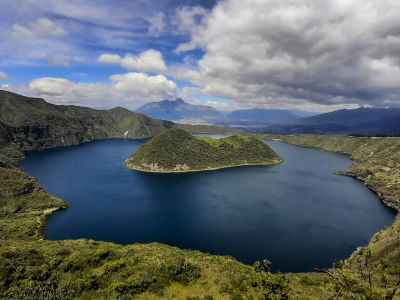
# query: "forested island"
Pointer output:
{"type": "Point", "coordinates": [177, 151]}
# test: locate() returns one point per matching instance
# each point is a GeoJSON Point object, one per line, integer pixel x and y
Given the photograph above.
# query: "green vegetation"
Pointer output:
{"type": "Point", "coordinates": [96, 270]}
{"type": "Point", "coordinates": [176, 150]}
{"type": "Point", "coordinates": [23, 203]}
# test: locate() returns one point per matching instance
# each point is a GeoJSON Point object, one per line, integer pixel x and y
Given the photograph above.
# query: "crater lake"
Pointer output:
{"type": "Point", "coordinates": [298, 214]}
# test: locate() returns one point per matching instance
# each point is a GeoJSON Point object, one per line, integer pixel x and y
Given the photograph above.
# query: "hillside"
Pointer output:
{"type": "Point", "coordinates": [178, 110]}
{"type": "Point", "coordinates": [178, 151]}
{"type": "Point", "coordinates": [33, 123]}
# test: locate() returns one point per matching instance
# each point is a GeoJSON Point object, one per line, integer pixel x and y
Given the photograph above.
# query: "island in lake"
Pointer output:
{"type": "Point", "coordinates": [176, 151]}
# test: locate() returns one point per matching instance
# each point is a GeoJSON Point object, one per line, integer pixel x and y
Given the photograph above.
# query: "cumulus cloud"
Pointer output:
{"type": "Point", "coordinates": [156, 24]}
{"type": "Point", "coordinates": [3, 76]}
{"type": "Point", "coordinates": [129, 89]}
{"type": "Point", "coordinates": [41, 27]}
{"type": "Point", "coordinates": [144, 85]}
{"type": "Point", "coordinates": [147, 61]}
{"type": "Point", "coordinates": [51, 86]}
{"type": "Point", "coordinates": [331, 52]}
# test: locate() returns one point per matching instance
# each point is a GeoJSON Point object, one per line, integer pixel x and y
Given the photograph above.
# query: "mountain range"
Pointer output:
{"type": "Point", "coordinates": [361, 121]}
{"type": "Point", "coordinates": [181, 111]}
{"type": "Point", "coordinates": [36, 124]}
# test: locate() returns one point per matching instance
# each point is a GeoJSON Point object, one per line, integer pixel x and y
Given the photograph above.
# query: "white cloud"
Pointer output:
{"type": "Point", "coordinates": [144, 85]}
{"type": "Point", "coordinates": [50, 86]}
{"type": "Point", "coordinates": [40, 28]}
{"type": "Point", "coordinates": [156, 24]}
{"type": "Point", "coordinates": [261, 51]}
{"type": "Point", "coordinates": [188, 18]}
{"type": "Point", "coordinates": [75, 29]}
{"type": "Point", "coordinates": [147, 61]}
{"type": "Point", "coordinates": [129, 90]}
{"type": "Point", "coordinates": [3, 76]}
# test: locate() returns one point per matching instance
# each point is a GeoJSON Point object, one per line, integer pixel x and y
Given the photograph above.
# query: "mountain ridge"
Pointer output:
{"type": "Point", "coordinates": [360, 121]}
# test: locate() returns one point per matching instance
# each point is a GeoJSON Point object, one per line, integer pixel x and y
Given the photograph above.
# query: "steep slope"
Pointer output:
{"type": "Point", "coordinates": [176, 110]}
{"type": "Point", "coordinates": [176, 150]}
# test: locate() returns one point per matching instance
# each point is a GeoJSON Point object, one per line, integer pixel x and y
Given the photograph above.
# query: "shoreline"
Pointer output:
{"type": "Point", "coordinates": [135, 168]}
{"type": "Point", "coordinates": [42, 220]}
{"type": "Point", "coordinates": [381, 196]}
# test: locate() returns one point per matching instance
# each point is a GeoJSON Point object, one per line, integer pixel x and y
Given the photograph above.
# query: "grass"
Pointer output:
{"type": "Point", "coordinates": [209, 140]}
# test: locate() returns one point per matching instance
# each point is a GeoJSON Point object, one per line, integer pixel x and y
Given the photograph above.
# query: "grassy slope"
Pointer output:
{"type": "Point", "coordinates": [176, 147]}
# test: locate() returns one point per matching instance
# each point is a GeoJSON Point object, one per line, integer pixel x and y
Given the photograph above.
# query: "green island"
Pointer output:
{"type": "Point", "coordinates": [177, 151]}
{"type": "Point", "coordinates": [34, 268]}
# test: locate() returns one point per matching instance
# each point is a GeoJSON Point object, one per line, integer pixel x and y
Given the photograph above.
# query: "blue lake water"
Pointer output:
{"type": "Point", "coordinates": [298, 214]}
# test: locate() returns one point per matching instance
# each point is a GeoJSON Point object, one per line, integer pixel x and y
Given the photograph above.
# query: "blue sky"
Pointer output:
{"type": "Point", "coordinates": [230, 54]}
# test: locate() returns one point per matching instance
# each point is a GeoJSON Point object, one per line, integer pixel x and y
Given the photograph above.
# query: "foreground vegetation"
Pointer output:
{"type": "Point", "coordinates": [176, 150]}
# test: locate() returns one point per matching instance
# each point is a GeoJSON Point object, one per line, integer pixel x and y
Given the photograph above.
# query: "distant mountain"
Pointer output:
{"type": "Point", "coordinates": [353, 117]}
{"type": "Point", "coordinates": [263, 115]}
{"type": "Point", "coordinates": [363, 121]}
{"type": "Point", "coordinates": [178, 110]}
